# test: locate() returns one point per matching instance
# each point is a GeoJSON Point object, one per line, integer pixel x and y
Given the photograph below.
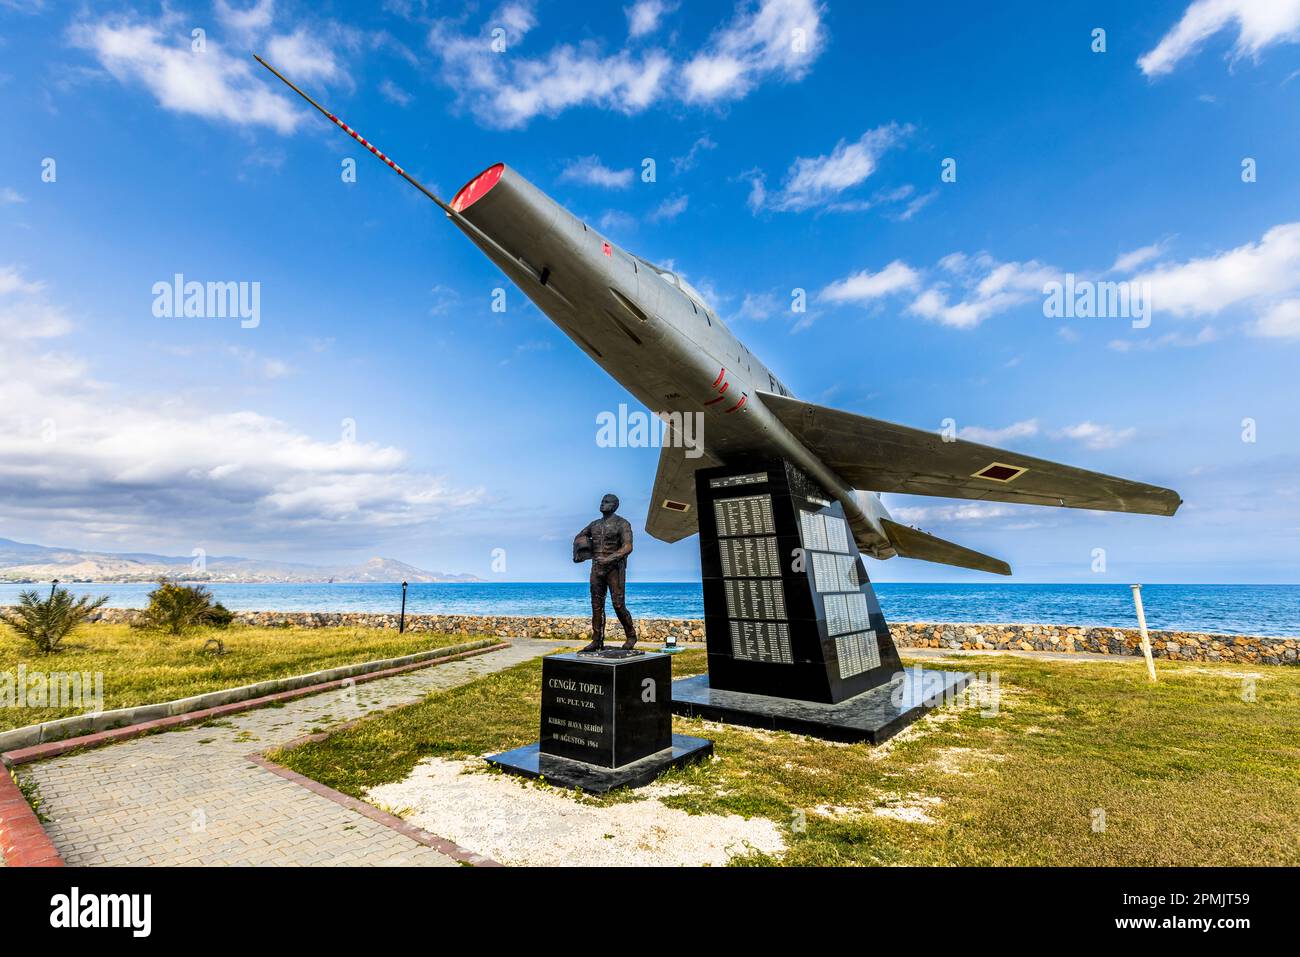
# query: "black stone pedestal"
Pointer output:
{"type": "Point", "coordinates": [874, 715]}
{"type": "Point", "coordinates": [606, 723]}
{"type": "Point", "coordinates": [529, 762]}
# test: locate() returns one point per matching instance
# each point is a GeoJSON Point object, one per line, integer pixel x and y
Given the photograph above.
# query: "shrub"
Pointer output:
{"type": "Point", "coordinates": [176, 608]}
{"type": "Point", "coordinates": [46, 622]}
{"type": "Point", "coordinates": [219, 616]}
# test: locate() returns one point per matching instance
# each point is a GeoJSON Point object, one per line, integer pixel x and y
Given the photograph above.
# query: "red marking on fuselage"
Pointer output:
{"type": "Point", "coordinates": [720, 377]}
{"type": "Point", "coordinates": [716, 399]}
{"type": "Point", "coordinates": [743, 397]}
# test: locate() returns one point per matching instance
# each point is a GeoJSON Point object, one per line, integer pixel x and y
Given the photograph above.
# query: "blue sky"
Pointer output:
{"type": "Point", "coordinates": [784, 160]}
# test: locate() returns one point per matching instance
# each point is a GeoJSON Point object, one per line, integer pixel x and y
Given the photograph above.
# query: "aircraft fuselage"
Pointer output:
{"type": "Point", "coordinates": [646, 327]}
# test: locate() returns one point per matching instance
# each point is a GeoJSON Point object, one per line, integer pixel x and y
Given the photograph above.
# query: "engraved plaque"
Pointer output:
{"type": "Point", "coordinates": [755, 598]}
{"type": "Point", "coordinates": [750, 557]}
{"type": "Point", "coordinates": [812, 525]}
{"type": "Point", "coordinates": [837, 534]}
{"type": "Point", "coordinates": [857, 653]}
{"type": "Point", "coordinates": [748, 515]}
{"type": "Point", "coordinates": [837, 614]}
{"type": "Point", "coordinates": [761, 641]}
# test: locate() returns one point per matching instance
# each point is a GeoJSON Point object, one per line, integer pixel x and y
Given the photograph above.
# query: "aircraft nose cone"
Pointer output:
{"type": "Point", "coordinates": [477, 188]}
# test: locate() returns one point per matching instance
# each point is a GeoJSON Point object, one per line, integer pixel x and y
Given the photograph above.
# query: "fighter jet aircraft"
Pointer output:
{"type": "Point", "coordinates": [655, 334]}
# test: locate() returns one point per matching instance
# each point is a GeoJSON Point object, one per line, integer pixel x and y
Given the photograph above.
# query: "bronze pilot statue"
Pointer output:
{"type": "Point", "coordinates": [607, 542]}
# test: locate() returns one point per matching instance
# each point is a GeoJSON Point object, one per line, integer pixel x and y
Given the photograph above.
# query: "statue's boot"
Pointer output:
{"type": "Point", "coordinates": [630, 643]}
{"type": "Point", "coordinates": [596, 645]}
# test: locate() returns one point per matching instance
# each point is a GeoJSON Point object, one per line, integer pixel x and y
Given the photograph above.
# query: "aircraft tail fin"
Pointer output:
{"type": "Point", "coordinates": [914, 543]}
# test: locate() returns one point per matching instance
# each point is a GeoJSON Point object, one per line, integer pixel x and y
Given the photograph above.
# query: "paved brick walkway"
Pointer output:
{"type": "Point", "coordinates": [191, 796]}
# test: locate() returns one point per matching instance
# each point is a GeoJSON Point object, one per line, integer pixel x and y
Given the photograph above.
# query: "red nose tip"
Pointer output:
{"type": "Point", "coordinates": [477, 188]}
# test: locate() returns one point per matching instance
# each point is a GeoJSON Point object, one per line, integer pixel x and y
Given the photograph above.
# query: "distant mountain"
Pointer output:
{"type": "Point", "coordinates": [22, 562]}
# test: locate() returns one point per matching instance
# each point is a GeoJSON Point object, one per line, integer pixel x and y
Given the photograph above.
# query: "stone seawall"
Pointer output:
{"type": "Point", "coordinates": [1180, 645]}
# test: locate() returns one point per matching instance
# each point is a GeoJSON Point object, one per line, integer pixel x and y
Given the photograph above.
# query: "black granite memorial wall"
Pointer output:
{"type": "Point", "coordinates": [789, 610]}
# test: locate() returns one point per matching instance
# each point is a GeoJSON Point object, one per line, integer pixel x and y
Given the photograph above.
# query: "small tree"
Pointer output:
{"type": "Point", "coordinates": [219, 616]}
{"type": "Point", "coordinates": [176, 608]}
{"type": "Point", "coordinates": [47, 622]}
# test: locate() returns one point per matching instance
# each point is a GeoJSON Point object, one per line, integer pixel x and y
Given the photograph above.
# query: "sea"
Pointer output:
{"type": "Point", "coordinates": [1225, 609]}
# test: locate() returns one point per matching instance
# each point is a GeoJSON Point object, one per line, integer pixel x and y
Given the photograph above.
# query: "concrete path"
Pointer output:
{"type": "Point", "coordinates": [191, 796]}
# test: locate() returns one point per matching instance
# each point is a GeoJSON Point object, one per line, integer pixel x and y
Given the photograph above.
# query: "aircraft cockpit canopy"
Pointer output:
{"type": "Point", "coordinates": [697, 300]}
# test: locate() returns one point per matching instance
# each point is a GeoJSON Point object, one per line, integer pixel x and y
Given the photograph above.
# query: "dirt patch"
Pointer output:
{"type": "Point", "coordinates": [518, 822]}
{"type": "Point", "coordinates": [962, 761]}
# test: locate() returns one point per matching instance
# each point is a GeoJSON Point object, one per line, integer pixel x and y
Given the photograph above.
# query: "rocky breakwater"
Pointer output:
{"type": "Point", "coordinates": [1177, 645]}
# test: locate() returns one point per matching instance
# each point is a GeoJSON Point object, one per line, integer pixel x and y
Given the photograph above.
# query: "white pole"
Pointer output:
{"type": "Point", "coordinates": [1142, 624]}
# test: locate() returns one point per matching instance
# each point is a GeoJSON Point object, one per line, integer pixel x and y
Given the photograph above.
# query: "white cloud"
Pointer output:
{"type": "Point", "coordinates": [11, 281]}
{"type": "Point", "coordinates": [1260, 23]}
{"type": "Point", "coordinates": [760, 42]}
{"type": "Point", "coordinates": [814, 181]}
{"type": "Point", "coordinates": [303, 57]}
{"type": "Point", "coordinates": [613, 221]}
{"type": "Point", "coordinates": [961, 291]}
{"type": "Point", "coordinates": [76, 454]}
{"type": "Point", "coordinates": [31, 319]}
{"type": "Point", "coordinates": [25, 316]}
{"type": "Point", "coordinates": [917, 204]}
{"type": "Point", "coordinates": [394, 93]}
{"type": "Point", "coordinates": [683, 163]}
{"type": "Point", "coordinates": [10, 195]}
{"type": "Point", "coordinates": [213, 84]}
{"type": "Point", "coordinates": [780, 38]}
{"type": "Point", "coordinates": [865, 286]}
{"type": "Point", "coordinates": [1168, 340]}
{"type": "Point", "coordinates": [258, 365]}
{"type": "Point", "coordinates": [1279, 321]}
{"type": "Point", "coordinates": [757, 307]}
{"type": "Point", "coordinates": [1198, 287]}
{"type": "Point", "coordinates": [510, 90]}
{"type": "Point", "coordinates": [1017, 430]}
{"type": "Point", "coordinates": [968, 513]}
{"type": "Point", "coordinates": [644, 16]}
{"type": "Point", "coordinates": [1094, 436]}
{"type": "Point", "coordinates": [245, 20]}
{"type": "Point", "coordinates": [590, 170]}
{"type": "Point", "coordinates": [1127, 262]}
{"type": "Point", "coordinates": [987, 287]}
{"type": "Point", "coordinates": [670, 208]}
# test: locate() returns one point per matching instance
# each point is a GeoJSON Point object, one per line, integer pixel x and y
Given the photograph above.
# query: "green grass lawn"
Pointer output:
{"type": "Point", "coordinates": [142, 667]}
{"type": "Point", "coordinates": [1185, 772]}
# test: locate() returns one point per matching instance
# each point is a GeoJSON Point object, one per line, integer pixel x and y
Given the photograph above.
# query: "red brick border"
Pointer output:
{"type": "Point", "coordinates": [419, 835]}
{"type": "Point", "coordinates": [24, 842]}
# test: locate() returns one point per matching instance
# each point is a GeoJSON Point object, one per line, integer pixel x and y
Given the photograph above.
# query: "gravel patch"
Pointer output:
{"type": "Point", "coordinates": [517, 822]}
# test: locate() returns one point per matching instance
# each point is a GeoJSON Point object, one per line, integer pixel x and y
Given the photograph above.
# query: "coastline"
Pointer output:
{"type": "Point", "coordinates": [1250, 610]}
{"type": "Point", "coordinates": [981, 636]}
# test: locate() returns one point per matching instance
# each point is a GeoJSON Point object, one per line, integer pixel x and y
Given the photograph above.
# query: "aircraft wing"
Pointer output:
{"type": "Point", "coordinates": [880, 456]}
{"type": "Point", "coordinates": [672, 515]}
